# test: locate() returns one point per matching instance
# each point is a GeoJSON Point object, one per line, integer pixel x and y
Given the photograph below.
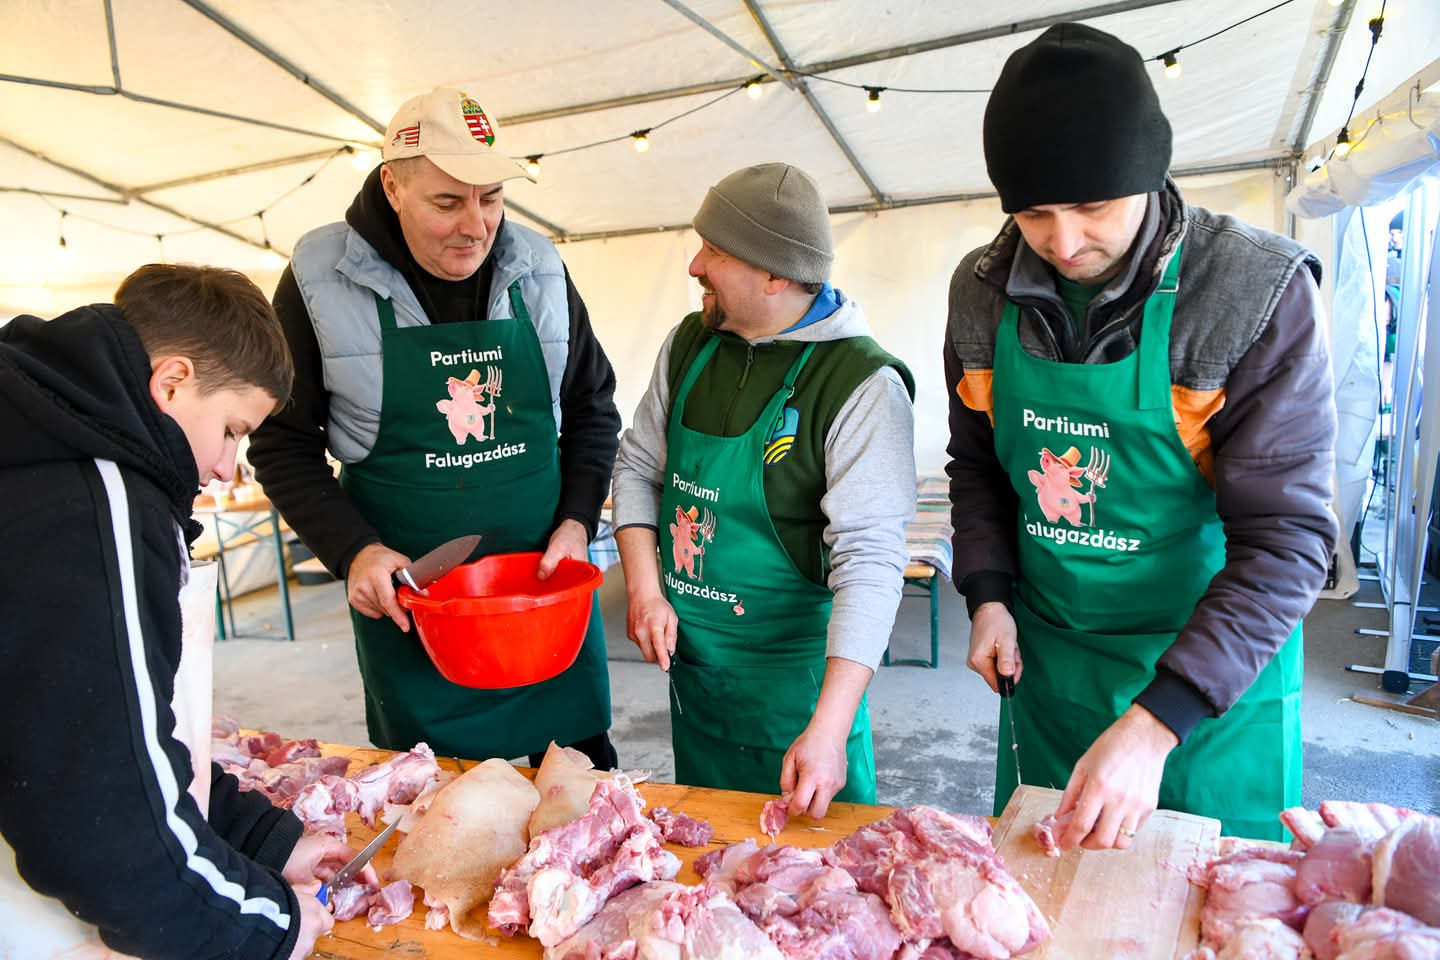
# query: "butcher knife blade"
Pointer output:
{"type": "Point", "coordinates": [438, 562]}
{"type": "Point", "coordinates": [357, 863]}
{"type": "Point", "coordinates": [1007, 692]}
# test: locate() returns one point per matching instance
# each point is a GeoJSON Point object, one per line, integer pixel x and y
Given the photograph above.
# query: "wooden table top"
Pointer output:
{"type": "Point", "coordinates": [735, 817]}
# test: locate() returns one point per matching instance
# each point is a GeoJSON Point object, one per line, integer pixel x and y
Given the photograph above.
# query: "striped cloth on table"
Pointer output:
{"type": "Point", "coordinates": [927, 536]}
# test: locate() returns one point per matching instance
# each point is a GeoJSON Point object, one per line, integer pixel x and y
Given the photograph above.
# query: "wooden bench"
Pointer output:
{"type": "Point", "coordinates": [922, 576]}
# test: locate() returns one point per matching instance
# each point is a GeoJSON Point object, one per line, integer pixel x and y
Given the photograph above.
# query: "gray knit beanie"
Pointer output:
{"type": "Point", "coordinates": [773, 217]}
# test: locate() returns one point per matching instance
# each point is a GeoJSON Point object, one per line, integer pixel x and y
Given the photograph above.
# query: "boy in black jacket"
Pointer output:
{"type": "Point", "coordinates": [110, 418]}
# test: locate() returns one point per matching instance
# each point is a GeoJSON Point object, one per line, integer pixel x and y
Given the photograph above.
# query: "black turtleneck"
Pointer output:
{"type": "Point", "coordinates": [288, 450]}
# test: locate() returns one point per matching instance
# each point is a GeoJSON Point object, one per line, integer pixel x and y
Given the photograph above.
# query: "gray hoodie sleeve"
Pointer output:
{"type": "Point", "coordinates": [869, 498]}
{"type": "Point", "coordinates": [640, 465]}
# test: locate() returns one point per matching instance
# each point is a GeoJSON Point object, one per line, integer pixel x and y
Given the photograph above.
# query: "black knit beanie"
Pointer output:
{"type": "Point", "coordinates": [1074, 119]}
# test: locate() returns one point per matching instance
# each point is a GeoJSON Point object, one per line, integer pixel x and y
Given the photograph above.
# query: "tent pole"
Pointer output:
{"type": "Point", "coordinates": [254, 43]}
{"type": "Point", "coordinates": [754, 7]}
{"type": "Point", "coordinates": [1313, 94]}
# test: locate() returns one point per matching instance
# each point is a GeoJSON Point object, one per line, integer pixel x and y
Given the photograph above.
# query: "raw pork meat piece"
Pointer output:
{"type": "Point", "coordinates": [941, 877]}
{"type": "Point", "coordinates": [1370, 820]}
{"type": "Point", "coordinates": [1337, 867]}
{"type": "Point", "coordinates": [283, 784]}
{"type": "Point", "coordinates": [258, 744]}
{"type": "Point", "coordinates": [774, 816]}
{"type": "Point", "coordinates": [400, 779]}
{"type": "Point", "coordinates": [1323, 926]}
{"type": "Point", "coordinates": [1266, 939]}
{"type": "Point", "coordinates": [666, 920]}
{"type": "Point", "coordinates": [391, 904]}
{"type": "Point", "coordinates": [292, 750]}
{"type": "Point", "coordinates": [1406, 870]}
{"type": "Point", "coordinates": [222, 726]}
{"type": "Point", "coordinates": [568, 873]}
{"type": "Point", "coordinates": [1305, 825]}
{"type": "Point", "coordinates": [681, 829]}
{"type": "Point", "coordinates": [474, 828]}
{"type": "Point", "coordinates": [1251, 884]}
{"type": "Point", "coordinates": [383, 906]}
{"type": "Point", "coordinates": [1383, 934]}
{"type": "Point", "coordinates": [806, 907]}
{"type": "Point", "coordinates": [566, 779]}
{"type": "Point", "coordinates": [322, 803]}
{"type": "Point", "coordinates": [1045, 831]}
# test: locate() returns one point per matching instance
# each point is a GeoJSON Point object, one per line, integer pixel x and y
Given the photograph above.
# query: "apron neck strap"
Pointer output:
{"type": "Point", "coordinates": [386, 310]}
{"type": "Point", "coordinates": [708, 349]}
{"type": "Point", "coordinates": [1154, 360]}
{"type": "Point", "coordinates": [795, 369]}
{"type": "Point", "coordinates": [517, 302]}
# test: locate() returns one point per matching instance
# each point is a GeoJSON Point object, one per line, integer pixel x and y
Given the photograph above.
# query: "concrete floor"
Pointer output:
{"type": "Point", "coordinates": [935, 730]}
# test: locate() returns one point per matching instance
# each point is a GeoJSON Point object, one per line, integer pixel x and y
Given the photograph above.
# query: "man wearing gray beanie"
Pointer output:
{"type": "Point", "coordinates": [771, 462]}
{"type": "Point", "coordinates": [1142, 437]}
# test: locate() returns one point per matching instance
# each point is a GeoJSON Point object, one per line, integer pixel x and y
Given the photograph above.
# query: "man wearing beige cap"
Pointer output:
{"type": "Point", "coordinates": [439, 349]}
{"type": "Point", "coordinates": [771, 462]}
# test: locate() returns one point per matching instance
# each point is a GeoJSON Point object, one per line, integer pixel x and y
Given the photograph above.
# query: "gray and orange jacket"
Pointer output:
{"type": "Point", "coordinates": [1254, 405]}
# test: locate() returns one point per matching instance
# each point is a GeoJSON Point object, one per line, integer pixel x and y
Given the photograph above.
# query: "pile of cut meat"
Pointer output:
{"type": "Point", "coordinates": [920, 885]}
{"type": "Point", "coordinates": [291, 773]}
{"type": "Point", "coordinates": [1358, 883]}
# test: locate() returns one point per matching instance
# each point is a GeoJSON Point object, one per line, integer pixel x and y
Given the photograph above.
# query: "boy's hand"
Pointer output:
{"type": "Point", "coordinates": [315, 920]}
{"type": "Point", "coordinates": [370, 588]}
{"type": "Point", "coordinates": [318, 857]}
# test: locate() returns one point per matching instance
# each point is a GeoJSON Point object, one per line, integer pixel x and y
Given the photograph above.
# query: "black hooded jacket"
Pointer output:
{"type": "Point", "coordinates": [288, 451]}
{"type": "Point", "coordinates": [96, 486]}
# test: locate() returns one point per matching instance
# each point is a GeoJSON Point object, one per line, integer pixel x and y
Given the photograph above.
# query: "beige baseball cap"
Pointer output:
{"type": "Point", "coordinates": [455, 133]}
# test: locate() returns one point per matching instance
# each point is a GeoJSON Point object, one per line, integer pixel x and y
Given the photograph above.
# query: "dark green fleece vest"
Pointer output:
{"type": "Point", "coordinates": [732, 392]}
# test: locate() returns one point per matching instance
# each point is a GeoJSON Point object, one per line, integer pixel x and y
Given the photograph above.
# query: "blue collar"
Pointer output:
{"type": "Point", "coordinates": [826, 302]}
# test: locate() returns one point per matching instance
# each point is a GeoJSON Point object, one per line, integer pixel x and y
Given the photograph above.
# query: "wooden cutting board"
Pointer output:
{"type": "Point", "coordinates": [1118, 905]}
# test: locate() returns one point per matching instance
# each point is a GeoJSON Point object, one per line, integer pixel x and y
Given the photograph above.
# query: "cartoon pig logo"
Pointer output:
{"type": "Point", "coordinates": [689, 539]}
{"type": "Point", "coordinates": [470, 403]}
{"type": "Point", "coordinates": [1055, 486]}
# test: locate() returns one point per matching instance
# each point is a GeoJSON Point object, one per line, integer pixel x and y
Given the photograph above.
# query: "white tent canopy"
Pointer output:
{"type": "Point", "coordinates": [320, 76]}
{"type": "Point", "coordinates": [185, 118]}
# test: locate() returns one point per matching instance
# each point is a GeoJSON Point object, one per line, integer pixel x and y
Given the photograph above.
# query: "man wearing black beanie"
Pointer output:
{"type": "Point", "coordinates": [1142, 434]}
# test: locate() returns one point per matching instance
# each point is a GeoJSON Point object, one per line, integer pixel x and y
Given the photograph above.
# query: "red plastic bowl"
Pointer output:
{"type": "Point", "coordinates": [494, 624]}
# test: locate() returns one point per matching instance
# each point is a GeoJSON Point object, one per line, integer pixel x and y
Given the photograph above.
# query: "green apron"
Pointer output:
{"type": "Point", "coordinates": [1118, 540]}
{"type": "Point", "coordinates": [423, 483]}
{"type": "Point", "coordinates": [750, 653]}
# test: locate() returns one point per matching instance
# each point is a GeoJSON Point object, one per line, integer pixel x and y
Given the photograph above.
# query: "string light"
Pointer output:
{"type": "Point", "coordinates": [361, 158]}
{"type": "Point", "coordinates": [64, 254]}
{"type": "Point", "coordinates": [364, 157]}
{"type": "Point", "coordinates": [1342, 142]}
{"type": "Point", "coordinates": [1171, 58]}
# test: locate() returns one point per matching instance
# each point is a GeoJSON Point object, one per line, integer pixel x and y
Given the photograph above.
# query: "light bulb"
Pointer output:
{"type": "Point", "coordinates": [753, 90]}
{"type": "Point", "coordinates": [642, 142]}
{"type": "Point", "coordinates": [64, 255]}
{"type": "Point", "coordinates": [1342, 142]}
{"type": "Point", "coordinates": [362, 158]}
{"type": "Point", "coordinates": [1336, 3]}
{"type": "Point", "coordinates": [532, 165]}
{"type": "Point", "coordinates": [1172, 66]}
{"type": "Point", "coordinates": [872, 102]}
{"type": "Point", "coordinates": [270, 260]}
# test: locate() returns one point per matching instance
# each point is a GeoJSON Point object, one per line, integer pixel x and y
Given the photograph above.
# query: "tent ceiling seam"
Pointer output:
{"type": "Point", "coordinates": [129, 195]}
{"type": "Point", "coordinates": [800, 84]}
{"type": "Point", "coordinates": [269, 53]}
{"type": "Point", "coordinates": [728, 40]}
